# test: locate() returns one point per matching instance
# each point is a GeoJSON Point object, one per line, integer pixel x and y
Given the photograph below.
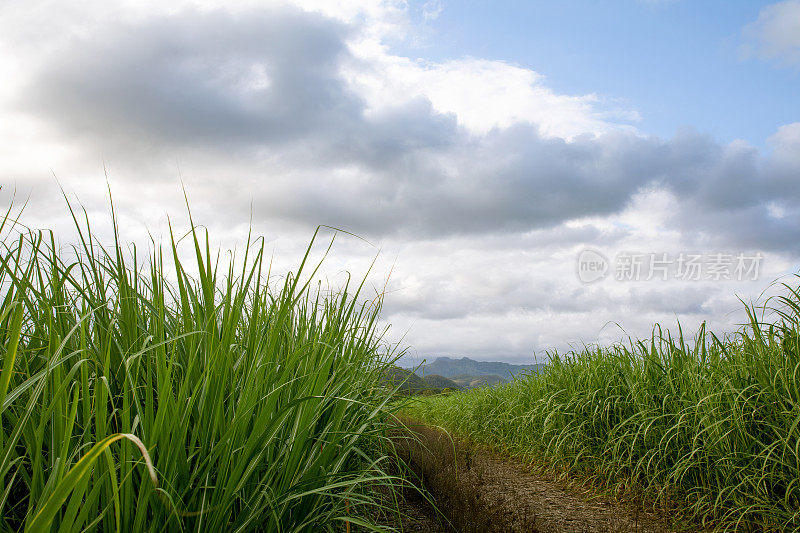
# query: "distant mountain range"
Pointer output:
{"type": "Point", "coordinates": [445, 373]}
{"type": "Point", "coordinates": [461, 368]}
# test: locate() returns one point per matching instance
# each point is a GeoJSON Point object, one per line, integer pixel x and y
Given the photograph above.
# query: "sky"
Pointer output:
{"type": "Point", "coordinates": [678, 64]}
{"type": "Point", "coordinates": [517, 177]}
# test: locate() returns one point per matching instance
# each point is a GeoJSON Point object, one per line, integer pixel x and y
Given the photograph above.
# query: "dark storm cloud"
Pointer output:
{"type": "Point", "coordinates": [267, 88]}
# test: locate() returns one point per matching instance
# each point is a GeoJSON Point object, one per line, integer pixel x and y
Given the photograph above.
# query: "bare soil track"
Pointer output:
{"type": "Point", "coordinates": [478, 491]}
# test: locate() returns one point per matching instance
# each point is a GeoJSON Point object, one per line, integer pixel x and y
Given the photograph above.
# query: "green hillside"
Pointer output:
{"type": "Point", "coordinates": [408, 381]}
{"type": "Point", "coordinates": [435, 381]}
{"type": "Point", "coordinates": [466, 381]}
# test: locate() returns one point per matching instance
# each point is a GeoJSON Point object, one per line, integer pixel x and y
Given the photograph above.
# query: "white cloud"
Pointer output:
{"type": "Point", "coordinates": [786, 141]}
{"type": "Point", "coordinates": [432, 9]}
{"type": "Point", "coordinates": [483, 95]}
{"type": "Point", "coordinates": [775, 35]}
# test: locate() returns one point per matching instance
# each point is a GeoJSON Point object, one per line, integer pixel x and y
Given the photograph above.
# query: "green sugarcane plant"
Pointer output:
{"type": "Point", "coordinates": [167, 396]}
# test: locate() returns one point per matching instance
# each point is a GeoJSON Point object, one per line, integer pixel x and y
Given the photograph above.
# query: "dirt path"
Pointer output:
{"type": "Point", "coordinates": [415, 515]}
{"type": "Point", "coordinates": [479, 492]}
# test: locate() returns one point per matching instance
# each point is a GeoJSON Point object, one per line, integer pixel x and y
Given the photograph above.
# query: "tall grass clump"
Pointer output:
{"type": "Point", "coordinates": [711, 425]}
{"type": "Point", "coordinates": [153, 395]}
